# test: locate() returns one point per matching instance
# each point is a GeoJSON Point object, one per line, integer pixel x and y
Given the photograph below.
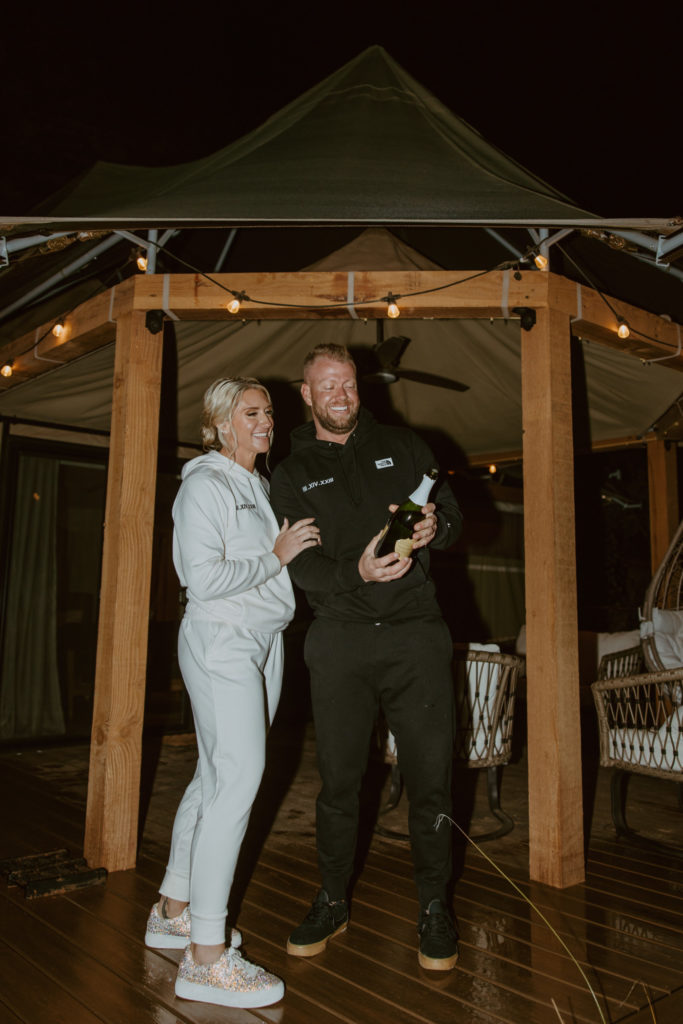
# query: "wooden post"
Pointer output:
{"type": "Point", "coordinates": [115, 752]}
{"type": "Point", "coordinates": [662, 471]}
{"type": "Point", "coordinates": [556, 855]}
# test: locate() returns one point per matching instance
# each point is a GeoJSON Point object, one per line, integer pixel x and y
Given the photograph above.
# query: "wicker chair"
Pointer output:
{"type": "Point", "coordinates": [641, 731]}
{"type": "Point", "coordinates": [485, 688]}
{"type": "Point", "coordinates": [661, 627]}
{"type": "Point", "coordinates": [639, 693]}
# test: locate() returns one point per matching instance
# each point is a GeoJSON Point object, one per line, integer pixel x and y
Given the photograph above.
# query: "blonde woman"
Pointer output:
{"type": "Point", "coordinates": [231, 557]}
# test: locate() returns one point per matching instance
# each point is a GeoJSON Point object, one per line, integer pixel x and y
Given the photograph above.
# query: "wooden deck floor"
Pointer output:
{"type": "Point", "coordinates": [79, 958]}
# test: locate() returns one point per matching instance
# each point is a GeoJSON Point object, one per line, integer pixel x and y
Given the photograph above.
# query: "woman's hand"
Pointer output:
{"type": "Point", "coordinates": [291, 540]}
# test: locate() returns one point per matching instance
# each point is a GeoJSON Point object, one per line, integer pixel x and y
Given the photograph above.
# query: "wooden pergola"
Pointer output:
{"type": "Point", "coordinates": [562, 310]}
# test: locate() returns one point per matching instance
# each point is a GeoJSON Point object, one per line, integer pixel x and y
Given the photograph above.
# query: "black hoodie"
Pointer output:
{"type": "Point", "coordinates": [348, 488]}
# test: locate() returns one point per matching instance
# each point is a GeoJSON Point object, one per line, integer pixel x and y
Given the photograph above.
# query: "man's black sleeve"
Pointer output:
{"type": "Point", "coordinates": [312, 569]}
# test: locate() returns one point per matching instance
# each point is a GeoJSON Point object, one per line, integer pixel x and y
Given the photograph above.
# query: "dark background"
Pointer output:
{"type": "Point", "coordinates": [583, 96]}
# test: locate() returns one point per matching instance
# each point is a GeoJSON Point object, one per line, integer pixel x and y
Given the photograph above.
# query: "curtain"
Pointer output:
{"type": "Point", "coordinates": [30, 698]}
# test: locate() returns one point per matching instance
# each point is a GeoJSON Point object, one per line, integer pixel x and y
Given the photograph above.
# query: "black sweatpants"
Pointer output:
{"type": "Point", "coordinates": [406, 668]}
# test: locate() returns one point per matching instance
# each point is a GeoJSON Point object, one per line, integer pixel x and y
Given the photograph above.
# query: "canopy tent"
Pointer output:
{"type": "Point", "coordinates": [368, 146]}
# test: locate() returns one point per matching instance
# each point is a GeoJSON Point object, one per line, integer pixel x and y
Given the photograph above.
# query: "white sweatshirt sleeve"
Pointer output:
{"type": "Point", "coordinates": [203, 554]}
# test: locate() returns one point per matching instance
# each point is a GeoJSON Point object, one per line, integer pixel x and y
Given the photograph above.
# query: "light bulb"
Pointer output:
{"type": "Point", "coordinates": [233, 306]}
{"type": "Point", "coordinates": [623, 329]}
{"type": "Point", "coordinates": [541, 261]}
{"type": "Point", "coordinates": [493, 469]}
{"type": "Point", "coordinates": [392, 310]}
{"type": "Point", "coordinates": [58, 329]}
{"type": "Point", "coordinates": [6, 370]}
{"type": "Point", "coordinates": [141, 262]}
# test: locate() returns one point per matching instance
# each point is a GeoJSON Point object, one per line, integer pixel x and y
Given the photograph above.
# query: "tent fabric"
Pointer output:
{"type": "Point", "coordinates": [624, 396]}
{"type": "Point", "coordinates": [368, 144]}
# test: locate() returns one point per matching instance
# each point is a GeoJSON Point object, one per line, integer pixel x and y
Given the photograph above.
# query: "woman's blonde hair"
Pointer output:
{"type": "Point", "coordinates": [220, 401]}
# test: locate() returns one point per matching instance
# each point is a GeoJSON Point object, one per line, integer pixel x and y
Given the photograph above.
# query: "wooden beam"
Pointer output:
{"type": "Point", "coordinates": [115, 751]}
{"type": "Point", "coordinates": [90, 326]}
{"type": "Point", "coordinates": [324, 295]}
{"type": "Point", "coordinates": [556, 855]}
{"type": "Point", "coordinates": [505, 458]}
{"type": "Point", "coordinates": [662, 471]}
{"type": "Point", "coordinates": [593, 320]}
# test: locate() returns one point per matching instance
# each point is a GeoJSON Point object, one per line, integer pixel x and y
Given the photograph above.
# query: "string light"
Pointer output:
{"type": "Point", "coordinates": [8, 369]}
{"type": "Point", "coordinates": [392, 309]}
{"type": "Point", "coordinates": [141, 261]}
{"type": "Point", "coordinates": [493, 469]}
{"type": "Point", "coordinates": [233, 306]}
{"type": "Point", "coordinates": [623, 330]}
{"type": "Point", "coordinates": [541, 261]}
{"type": "Point", "coordinates": [58, 329]}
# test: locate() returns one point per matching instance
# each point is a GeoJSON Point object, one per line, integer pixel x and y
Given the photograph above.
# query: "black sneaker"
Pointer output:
{"type": "Point", "coordinates": [322, 922]}
{"type": "Point", "coordinates": [438, 938]}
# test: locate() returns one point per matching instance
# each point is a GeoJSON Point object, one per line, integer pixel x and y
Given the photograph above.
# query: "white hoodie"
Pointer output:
{"type": "Point", "coordinates": [223, 543]}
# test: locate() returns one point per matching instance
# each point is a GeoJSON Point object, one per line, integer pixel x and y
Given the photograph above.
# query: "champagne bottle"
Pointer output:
{"type": "Point", "coordinates": [397, 534]}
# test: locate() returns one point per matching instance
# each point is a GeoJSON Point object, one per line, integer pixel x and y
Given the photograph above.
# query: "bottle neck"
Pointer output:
{"type": "Point", "coordinates": [420, 495]}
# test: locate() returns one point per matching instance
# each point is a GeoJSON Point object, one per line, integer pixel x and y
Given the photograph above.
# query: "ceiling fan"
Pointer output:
{"type": "Point", "coordinates": [389, 352]}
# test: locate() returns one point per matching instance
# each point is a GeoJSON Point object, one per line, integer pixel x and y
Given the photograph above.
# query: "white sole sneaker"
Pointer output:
{"type": "Point", "coordinates": [230, 981]}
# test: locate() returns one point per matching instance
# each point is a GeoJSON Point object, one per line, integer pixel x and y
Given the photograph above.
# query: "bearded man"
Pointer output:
{"type": "Point", "coordinates": [378, 640]}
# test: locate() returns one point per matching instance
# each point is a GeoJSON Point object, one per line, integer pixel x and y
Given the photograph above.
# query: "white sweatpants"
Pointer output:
{"type": "Point", "coordinates": [233, 677]}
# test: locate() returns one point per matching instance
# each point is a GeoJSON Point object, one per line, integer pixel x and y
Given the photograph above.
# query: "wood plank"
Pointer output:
{"type": "Point", "coordinates": [667, 1010]}
{"type": "Point", "coordinates": [484, 899]}
{"type": "Point", "coordinates": [384, 932]}
{"type": "Point", "coordinates": [115, 752]}
{"type": "Point", "coordinates": [124, 919]}
{"type": "Point", "coordinates": [487, 919]}
{"type": "Point", "coordinates": [33, 996]}
{"type": "Point", "coordinates": [556, 855]}
{"type": "Point", "coordinates": [621, 927]}
{"type": "Point", "coordinates": [379, 952]}
{"type": "Point", "coordinates": [280, 893]}
{"type": "Point", "coordinates": [662, 473]}
{"type": "Point", "coordinates": [506, 925]}
{"type": "Point", "coordinates": [84, 965]}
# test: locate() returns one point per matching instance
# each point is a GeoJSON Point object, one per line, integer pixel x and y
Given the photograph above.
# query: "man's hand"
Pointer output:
{"type": "Point", "coordinates": [425, 530]}
{"type": "Point", "coordinates": [381, 570]}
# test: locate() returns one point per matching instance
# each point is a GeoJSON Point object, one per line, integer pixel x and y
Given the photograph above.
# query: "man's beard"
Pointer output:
{"type": "Point", "coordinates": [339, 425]}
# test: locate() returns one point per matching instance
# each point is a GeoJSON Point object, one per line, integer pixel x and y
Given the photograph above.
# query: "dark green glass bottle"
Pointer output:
{"type": "Point", "coordinates": [399, 527]}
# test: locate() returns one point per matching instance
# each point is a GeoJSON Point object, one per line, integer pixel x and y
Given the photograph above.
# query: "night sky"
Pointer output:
{"type": "Point", "coordinates": [587, 101]}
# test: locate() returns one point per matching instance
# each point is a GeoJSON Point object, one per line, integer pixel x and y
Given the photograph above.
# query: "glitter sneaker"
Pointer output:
{"type": "Point", "coordinates": [230, 981]}
{"type": "Point", "coordinates": [174, 932]}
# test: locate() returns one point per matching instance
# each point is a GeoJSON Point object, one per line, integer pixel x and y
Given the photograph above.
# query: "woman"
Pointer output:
{"type": "Point", "coordinates": [230, 555]}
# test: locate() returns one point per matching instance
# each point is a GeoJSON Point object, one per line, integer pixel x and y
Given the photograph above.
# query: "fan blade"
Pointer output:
{"type": "Point", "coordinates": [380, 377]}
{"type": "Point", "coordinates": [432, 379]}
{"type": "Point", "coordinates": [390, 350]}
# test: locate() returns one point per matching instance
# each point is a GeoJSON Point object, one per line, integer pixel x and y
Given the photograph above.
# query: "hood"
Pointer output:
{"type": "Point", "coordinates": [214, 462]}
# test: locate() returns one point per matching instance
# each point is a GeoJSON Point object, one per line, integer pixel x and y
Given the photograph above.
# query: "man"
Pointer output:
{"type": "Point", "coordinates": [378, 639]}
